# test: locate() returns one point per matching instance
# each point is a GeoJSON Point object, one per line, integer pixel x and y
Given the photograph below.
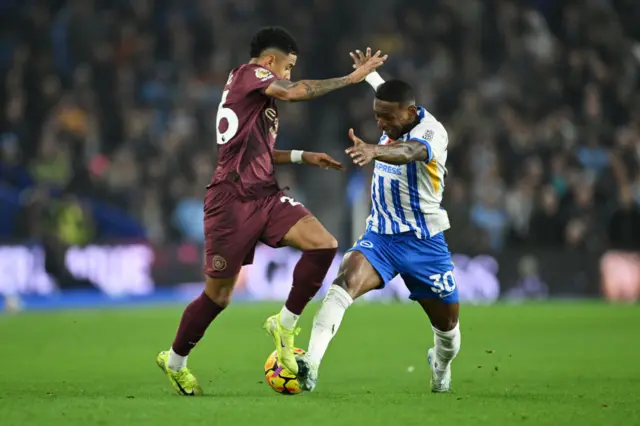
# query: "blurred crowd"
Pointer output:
{"type": "Point", "coordinates": [113, 102]}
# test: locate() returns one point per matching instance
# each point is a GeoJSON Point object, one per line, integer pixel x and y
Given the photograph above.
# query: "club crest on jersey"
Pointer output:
{"type": "Point", "coordinates": [263, 74]}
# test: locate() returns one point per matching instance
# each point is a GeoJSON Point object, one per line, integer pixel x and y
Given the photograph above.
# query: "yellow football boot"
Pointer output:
{"type": "Point", "coordinates": [182, 381]}
{"type": "Point", "coordinates": [283, 339]}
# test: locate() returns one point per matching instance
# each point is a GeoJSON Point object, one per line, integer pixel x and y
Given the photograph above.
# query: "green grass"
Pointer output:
{"type": "Point", "coordinates": [556, 364]}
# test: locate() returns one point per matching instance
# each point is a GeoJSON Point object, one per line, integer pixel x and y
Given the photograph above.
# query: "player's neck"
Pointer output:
{"type": "Point", "coordinates": [409, 127]}
{"type": "Point", "coordinates": [257, 61]}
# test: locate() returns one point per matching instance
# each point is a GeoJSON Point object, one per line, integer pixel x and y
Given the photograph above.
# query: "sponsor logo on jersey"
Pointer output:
{"type": "Point", "coordinates": [263, 74]}
{"type": "Point", "coordinates": [384, 167]}
{"type": "Point", "coordinates": [272, 116]}
{"type": "Point", "coordinates": [270, 113]}
{"type": "Point", "coordinates": [428, 135]}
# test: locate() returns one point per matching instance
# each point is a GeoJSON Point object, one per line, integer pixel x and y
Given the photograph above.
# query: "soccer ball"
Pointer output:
{"type": "Point", "coordinates": [280, 379]}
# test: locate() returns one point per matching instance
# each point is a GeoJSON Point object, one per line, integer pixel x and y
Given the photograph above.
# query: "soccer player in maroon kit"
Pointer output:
{"type": "Point", "coordinates": [244, 204]}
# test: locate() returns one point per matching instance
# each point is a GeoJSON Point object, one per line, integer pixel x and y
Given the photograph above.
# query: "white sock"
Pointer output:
{"type": "Point", "coordinates": [288, 319]}
{"type": "Point", "coordinates": [176, 362]}
{"type": "Point", "coordinates": [327, 321]}
{"type": "Point", "coordinates": [447, 346]}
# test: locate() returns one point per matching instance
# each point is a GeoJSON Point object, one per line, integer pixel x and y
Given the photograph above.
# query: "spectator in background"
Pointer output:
{"type": "Point", "coordinates": [57, 225]}
{"type": "Point", "coordinates": [53, 166]}
{"type": "Point", "coordinates": [624, 224]}
{"type": "Point", "coordinates": [73, 222]}
{"type": "Point", "coordinates": [150, 212]}
{"type": "Point", "coordinates": [488, 216]}
{"type": "Point", "coordinates": [11, 172]}
{"type": "Point", "coordinates": [547, 225]}
{"type": "Point", "coordinates": [457, 200]}
{"type": "Point", "coordinates": [189, 215]}
{"type": "Point", "coordinates": [593, 157]}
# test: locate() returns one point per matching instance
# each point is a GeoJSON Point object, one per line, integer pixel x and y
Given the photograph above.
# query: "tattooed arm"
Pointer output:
{"type": "Point", "coordinates": [395, 153]}
{"type": "Point", "coordinates": [304, 90]}
{"type": "Point", "coordinates": [401, 152]}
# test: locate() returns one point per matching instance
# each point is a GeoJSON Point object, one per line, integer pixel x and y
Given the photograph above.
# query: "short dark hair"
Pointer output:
{"type": "Point", "coordinates": [273, 37]}
{"type": "Point", "coordinates": [395, 91]}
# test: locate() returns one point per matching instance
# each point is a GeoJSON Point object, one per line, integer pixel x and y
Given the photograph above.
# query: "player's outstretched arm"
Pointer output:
{"type": "Point", "coordinates": [304, 90]}
{"type": "Point", "coordinates": [324, 161]}
{"type": "Point", "coordinates": [396, 153]}
{"type": "Point", "coordinates": [374, 79]}
{"type": "Point", "coordinates": [401, 152]}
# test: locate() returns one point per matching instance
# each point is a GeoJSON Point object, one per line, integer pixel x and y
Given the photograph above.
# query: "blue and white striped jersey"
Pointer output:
{"type": "Point", "coordinates": [407, 198]}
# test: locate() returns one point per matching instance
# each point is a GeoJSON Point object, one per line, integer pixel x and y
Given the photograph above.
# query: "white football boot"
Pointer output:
{"type": "Point", "coordinates": [440, 380]}
{"type": "Point", "coordinates": [308, 373]}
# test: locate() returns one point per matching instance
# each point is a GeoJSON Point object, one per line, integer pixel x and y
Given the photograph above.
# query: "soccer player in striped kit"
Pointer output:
{"type": "Point", "coordinates": [404, 233]}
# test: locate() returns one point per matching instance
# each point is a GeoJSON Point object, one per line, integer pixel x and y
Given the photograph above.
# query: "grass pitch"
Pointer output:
{"type": "Point", "coordinates": [556, 364]}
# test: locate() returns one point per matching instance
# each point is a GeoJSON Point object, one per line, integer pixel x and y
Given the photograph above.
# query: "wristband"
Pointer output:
{"type": "Point", "coordinates": [296, 156]}
{"type": "Point", "coordinates": [374, 79]}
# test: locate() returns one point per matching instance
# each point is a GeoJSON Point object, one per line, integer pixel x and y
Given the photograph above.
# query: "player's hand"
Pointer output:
{"type": "Point", "coordinates": [364, 63]}
{"type": "Point", "coordinates": [361, 153]}
{"type": "Point", "coordinates": [359, 58]}
{"type": "Point", "coordinates": [321, 160]}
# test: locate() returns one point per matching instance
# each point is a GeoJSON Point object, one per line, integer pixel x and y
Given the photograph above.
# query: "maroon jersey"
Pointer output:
{"type": "Point", "coordinates": [247, 125]}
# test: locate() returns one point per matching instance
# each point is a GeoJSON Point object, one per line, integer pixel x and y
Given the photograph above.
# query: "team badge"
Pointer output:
{"type": "Point", "coordinates": [219, 263]}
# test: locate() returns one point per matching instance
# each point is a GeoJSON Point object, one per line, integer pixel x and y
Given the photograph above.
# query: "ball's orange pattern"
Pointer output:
{"type": "Point", "coordinates": [281, 380]}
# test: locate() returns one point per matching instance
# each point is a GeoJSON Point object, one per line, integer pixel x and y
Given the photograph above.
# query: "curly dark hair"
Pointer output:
{"type": "Point", "coordinates": [273, 37]}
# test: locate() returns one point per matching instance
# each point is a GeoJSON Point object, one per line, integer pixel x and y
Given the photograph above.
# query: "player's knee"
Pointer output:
{"type": "Point", "coordinates": [219, 290]}
{"type": "Point", "coordinates": [331, 242]}
{"type": "Point", "coordinates": [220, 298]}
{"type": "Point", "coordinates": [322, 241]}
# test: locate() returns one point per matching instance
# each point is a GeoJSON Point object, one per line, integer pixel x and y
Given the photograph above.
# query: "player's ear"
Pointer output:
{"type": "Point", "coordinates": [270, 61]}
{"type": "Point", "coordinates": [413, 111]}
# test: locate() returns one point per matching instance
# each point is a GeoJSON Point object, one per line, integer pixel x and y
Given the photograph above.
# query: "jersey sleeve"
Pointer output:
{"type": "Point", "coordinates": [257, 78]}
{"type": "Point", "coordinates": [433, 135]}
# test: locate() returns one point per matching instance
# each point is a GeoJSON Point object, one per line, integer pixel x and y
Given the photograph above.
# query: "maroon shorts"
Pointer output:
{"type": "Point", "coordinates": [233, 227]}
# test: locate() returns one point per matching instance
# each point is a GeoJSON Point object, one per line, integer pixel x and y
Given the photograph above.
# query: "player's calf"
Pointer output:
{"type": "Point", "coordinates": [197, 317]}
{"type": "Point", "coordinates": [446, 348]}
{"type": "Point", "coordinates": [318, 248]}
{"type": "Point", "coordinates": [355, 278]}
{"type": "Point", "coordinates": [446, 338]}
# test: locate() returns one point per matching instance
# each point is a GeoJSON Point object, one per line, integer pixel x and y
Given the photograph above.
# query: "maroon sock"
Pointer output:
{"type": "Point", "coordinates": [308, 276]}
{"type": "Point", "coordinates": [194, 322]}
